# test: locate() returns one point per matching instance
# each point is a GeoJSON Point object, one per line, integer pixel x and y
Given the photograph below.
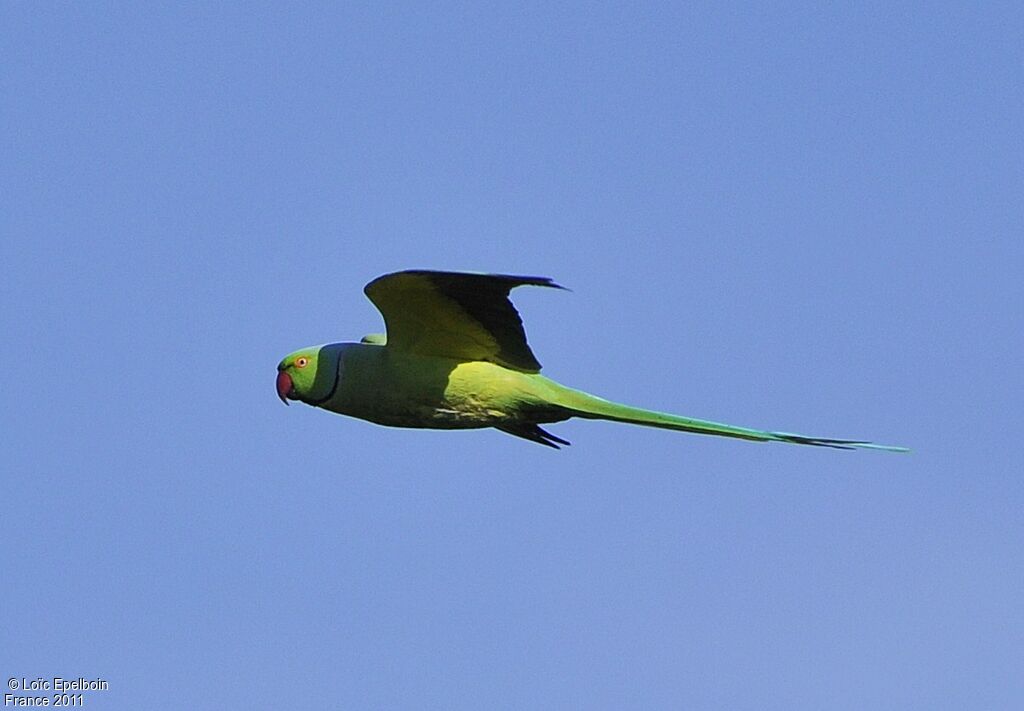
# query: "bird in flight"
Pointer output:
{"type": "Point", "coordinates": [455, 357]}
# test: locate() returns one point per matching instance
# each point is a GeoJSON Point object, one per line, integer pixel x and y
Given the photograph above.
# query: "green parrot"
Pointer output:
{"type": "Point", "coordinates": [455, 357]}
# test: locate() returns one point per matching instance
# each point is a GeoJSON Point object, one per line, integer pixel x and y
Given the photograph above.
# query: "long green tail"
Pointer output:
{"type": "Point", "coordinates": [589, 406]}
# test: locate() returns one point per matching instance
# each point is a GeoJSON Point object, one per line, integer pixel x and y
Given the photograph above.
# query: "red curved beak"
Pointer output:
{"type": "Point", "coordinates": [284, 386]}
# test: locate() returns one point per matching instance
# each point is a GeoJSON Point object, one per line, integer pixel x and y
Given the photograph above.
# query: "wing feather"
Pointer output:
{"type": "Point", "coordinates": [456, 315]}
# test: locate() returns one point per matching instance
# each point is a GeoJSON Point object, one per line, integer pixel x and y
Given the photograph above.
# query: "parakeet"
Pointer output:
{"type": "Point", "coordinates": [455, 356]}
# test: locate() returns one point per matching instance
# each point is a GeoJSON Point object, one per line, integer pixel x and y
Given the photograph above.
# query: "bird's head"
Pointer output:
{"type": "Point", "coordinates": [296, 374]}
{"type": "Point", "coordinates": [309, 374]}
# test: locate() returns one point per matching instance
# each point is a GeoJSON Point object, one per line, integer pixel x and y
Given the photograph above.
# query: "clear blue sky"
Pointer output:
{"type": "Point", "coordinates": [799, 218]}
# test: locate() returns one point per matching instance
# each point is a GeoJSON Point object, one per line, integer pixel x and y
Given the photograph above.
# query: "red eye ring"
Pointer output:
{"type": "Point", "coordinates": [301, 362]}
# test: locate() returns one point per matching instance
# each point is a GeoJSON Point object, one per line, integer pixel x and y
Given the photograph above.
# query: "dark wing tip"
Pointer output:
{"type": "Point", "coordinates": [533, 432]}
{"type": "Point", "coordinates": [531, 281]}
{"type": "Point", "coordinates": [512, 280]}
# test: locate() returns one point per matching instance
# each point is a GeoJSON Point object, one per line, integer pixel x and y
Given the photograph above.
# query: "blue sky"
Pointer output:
{"type": "Point", "coordinates": [799, 217]}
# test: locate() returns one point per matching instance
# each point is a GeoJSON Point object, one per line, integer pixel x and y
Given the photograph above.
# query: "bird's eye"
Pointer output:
{"type": "Point", "coordinates": [301, 362]}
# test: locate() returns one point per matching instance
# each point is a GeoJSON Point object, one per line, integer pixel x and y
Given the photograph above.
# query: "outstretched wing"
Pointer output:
{"type": "Point", "coordinates": [455, 315]}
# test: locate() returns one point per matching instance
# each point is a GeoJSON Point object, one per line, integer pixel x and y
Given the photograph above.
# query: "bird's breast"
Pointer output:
{"type": "Point", "coordinates": [409, 390]}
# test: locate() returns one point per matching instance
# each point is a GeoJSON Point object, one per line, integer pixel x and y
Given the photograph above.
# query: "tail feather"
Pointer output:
{"type": "Point", "coordinates": [591, 407]}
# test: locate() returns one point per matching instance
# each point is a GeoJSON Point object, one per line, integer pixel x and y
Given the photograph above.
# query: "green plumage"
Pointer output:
{"type": "Point", "coordinates": [456, 357]}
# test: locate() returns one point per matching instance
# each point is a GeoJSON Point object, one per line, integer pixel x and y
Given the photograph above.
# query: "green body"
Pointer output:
{"type": "Point", "coordinates": [456, 357]}
{"type": "Point", "coordinates": [403, 389]}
